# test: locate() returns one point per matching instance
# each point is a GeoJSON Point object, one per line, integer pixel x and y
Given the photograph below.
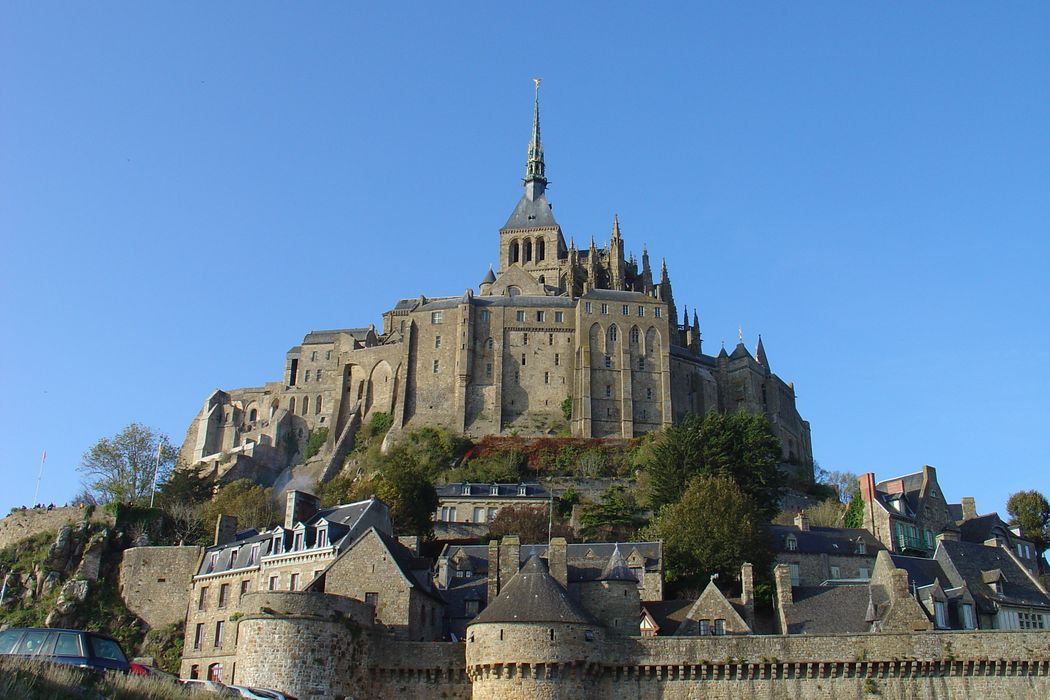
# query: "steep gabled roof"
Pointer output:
{"type": "Point", "coordinates": [531, 213]}
{"type": "Point", "coordinates": [533, 596]}
{"type": "Point", "coordinates": [829, 610]}
{"type": "Point", "coordinates": [976, 562]}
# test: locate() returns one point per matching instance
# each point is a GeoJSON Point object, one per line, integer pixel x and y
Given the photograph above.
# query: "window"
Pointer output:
{"type": "Point", "coordinates": [862, 547]}
{"type": "Point", "coordinates": [608, 391]}
{"type": "Point", "coordinates": [656, 312]}
{"type": "Point", "coordinates": [520, 316]}
{"type": "Point", "coordinates": [522, 490]}
{"type": "Point", "coordinates": [587, 307]}
{"type": "Point", "coordinates": [626, 309]}
{"type": "Point", "coordinates": [220, 628]}
{"type": "Point", "coordinates": [437, 317]}
{"type": "Point", "coordinates": [198, 636]}
{"type": "Point", "coordinates": [524, 338]}
{"type": "Point", "coordinates": [253, 555]}
{"type": "Point", "coordinates": [306, 377]}
{"type": "Point", "coordinates": [437, 342]}
{"type": "Point", "coordinates": [244, 586]}
{"type": "Point", "coordinates": [557, 359]}
{"type": "Point", "coordinates": [372, 599]}
{"type": "Point", "coordinates": [705, 627]}
{"type": "Point", "coordinates": [612, 334]}
{"type": "Point", "coordinates": [791, 543]}
{"type": "Point", "coordinates": [488, 369]}
{"type": "Point", "coordinates": [471, 607]}
{"type": "Point", "coordinates": [212, 559]}
{"type": "Point", "coordinates": [437, 365]}
{"type": "Point", "coordinates": [522, 359]}
{"type": "Point", "coordinates": [648, 393]}
{"type": "Point", "coordinates": [195, 672]}
{"type": "Point", "coordinates": [298, 542]}
{"type": "Point", "coordinates": [479, 514]}
{"type": "Point", "coordinates": [641, 311]}
{"type": "Point", "coordinates": [608, 362]}
{"type": "Point", "coordinates": [273, 583]}
{"type": "Point", "coordinates": [641, 364]}
{"type": "Point", "coordinates": [492, 514]}
{"type": "Point", "coordinates": [202, 601]}
{"type": "Point", "coordinates": [546, 377]}
{"type": "Point", "coordinates": [967, 616]}
{"type": "Point", "coordinates": [224, 594]}
{"type": "Point", "coordinates": [483, 315]}
{"type": "Point", "coordinates": [720, 627]}
{"type": "Point", "coordinates": [864, 573]}
{"type": "Point", "coordinates": [328, 355]}
{"type": "Point", "coordinates": [540, 316]}
{"type": "Point", "coordinates": [494, 490]}
{"type": "Point", "coordinates": [794, 574]}
{"type": "Point", "coordinates": [605, 308]}
{"type": "Point", "coordinates": [550, 339]}
{"type": "Point", "coordinates": [322, 537]}
{"type": "Point", "coordinates": [293, 584]}
{"type": "Point", "coordinates": [938, 613]}
{"type": "Point", "coordinates": [635, 335]}
{"type": "Point", "coordinates": [313, 356]}
{"type": "Point", "coordinates": [318, 375]}
{"type": "Point", "coordinates": [559, 316]}
{"type": "Point", "coordinates": [836, 572]}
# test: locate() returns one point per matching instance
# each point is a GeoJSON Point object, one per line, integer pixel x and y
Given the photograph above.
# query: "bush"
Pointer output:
{"type": "Point", "coordinates": [315, 442]}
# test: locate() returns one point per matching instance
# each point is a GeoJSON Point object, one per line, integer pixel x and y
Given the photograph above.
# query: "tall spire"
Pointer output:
{"type": "Point", "coordinates": [535, 178]}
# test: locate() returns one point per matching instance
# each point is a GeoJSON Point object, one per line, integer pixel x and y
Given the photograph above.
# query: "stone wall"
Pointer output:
{"type": "Point", "coordinates": [21, 524]}
{"type": "Point", "coordinates": [155, 582]}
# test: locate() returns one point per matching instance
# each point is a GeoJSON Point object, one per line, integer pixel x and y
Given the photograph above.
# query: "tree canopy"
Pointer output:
{"type": "Point", "coordinates": [1031, 511]}
{"type": "Point", "coordinates": [740, 446]}
{"type": "Point", "coordinates": [252, 504]}
{"type": "Point", "coordinates": [617, 517]}
{"type": "Point", "coordinates": [713, 529]}
{"type": "Point", "coordinates": [121, 469]}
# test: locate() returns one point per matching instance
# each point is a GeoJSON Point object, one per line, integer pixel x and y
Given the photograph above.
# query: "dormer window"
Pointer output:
{"type": "Point", "coordinates": [322, 537]}
{"type": "Point", "coordinates": [466, 489]}
{"type": "Point", "coordinates": [278, 544]}
{"type": "Point", "coordinates": [233, 556]}
{"type": "Point", "coordinates": [212, 558]}
{"type": "Point", "coordinates": [494, 491]}
{"type": "Point", "coordinates": [997, 586]}
{"type": "Point", "coordinates": [862, 547]}
{"type": "Point", "coordinates": [791, 543]}
{"type": "Point", "coordinates": [298, 542]}
{"type": "Point", "coordinates": [521, 490]}
{"type": "Point", "coordinates": [253, 555]}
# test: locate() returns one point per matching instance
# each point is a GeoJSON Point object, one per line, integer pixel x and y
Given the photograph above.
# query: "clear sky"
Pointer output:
{"type": "Point", "coordinates": [186, 189]}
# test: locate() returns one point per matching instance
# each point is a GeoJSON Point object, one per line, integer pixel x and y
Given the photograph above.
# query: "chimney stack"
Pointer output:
{"type": "Point", "coordinates": [784, 600]}
{"type": "Point", "coordinates": [558, 560]}
{"type": "Point", "coordinates": [867, 486]}
{"type": "Point", "coordinates": [747, 593]}
{"type": "Point", "coordinates": [493, 574]}
{"type": "Point", "coordinates": [225, 529]}
{"type": "Point", "coordinates": [802, 521]}
{"type": "Point", "coordinates": [969, 508]}
{"type": "Point", "coordinates": [509, 558]}
{"type": "Point", "coordinates": [300, 506]}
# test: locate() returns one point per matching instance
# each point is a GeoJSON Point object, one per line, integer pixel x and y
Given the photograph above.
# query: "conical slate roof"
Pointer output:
{"type": "Point", "coordinates": [489, 278]}
{"type": "Point", "coordinates": [532, 595]}
{"type": "Point", "coordinates": [616, 569]}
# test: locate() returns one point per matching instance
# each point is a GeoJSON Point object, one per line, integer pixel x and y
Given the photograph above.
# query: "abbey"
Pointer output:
{"type": "Point", "coordinates": [556, 325]}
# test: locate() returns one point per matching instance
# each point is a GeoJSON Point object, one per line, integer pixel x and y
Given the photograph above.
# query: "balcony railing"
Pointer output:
{"type": "Point", "coordinates": [915, 542]}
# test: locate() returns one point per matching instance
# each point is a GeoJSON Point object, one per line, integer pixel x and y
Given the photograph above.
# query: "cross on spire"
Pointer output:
{"type": "Point", "coordinates": [535, 178]}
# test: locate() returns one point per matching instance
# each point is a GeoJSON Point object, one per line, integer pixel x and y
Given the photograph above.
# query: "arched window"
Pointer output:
{"type": "Point", "coordinates": [488, 344]}
{"type": "Point", "coordinates": [291, 405]}
{"type": "Point", "coordinates": [215, 672]}
{"type": "Point", "coordinates": [541, 249]}
{"type": "Point", "coordinates": [306, 405]}
{"type": "Point", "coordinates": [317, 405]}
{"type": "Point", "coordinates": [252, 415]}
{"type": "Point", "coordinates": [526, 251]}
{"type": "Point", "coordinates": [543, 280]}
{"type": "Point", "coordinates": [513, 252]}
{"type": "Point", "coordinates": [274, 406]}
{"type": "Point", "coordinates": [513, 291]}
{"type": "Point", "coordinates": [635, 334]}
{"type": "Point", "coordinates": [612, 334]}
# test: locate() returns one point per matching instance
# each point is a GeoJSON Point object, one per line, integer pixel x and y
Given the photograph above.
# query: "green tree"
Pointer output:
{"type": "Point", "coordinates": [185, 486]}
{"type": "Point", "coordinates": [713, 529]}
{"type": "Point", "coordinates": [740, 446]}
{"type": "Point", "coordinates": [253, 505]}
{"type": "Point", "coordinates": [407, 489]}
{"type": "Point", "coordinates": [1030, 510]}
{"type": "Point", "coordinates": [121, 469]}
{"type": "Point", "coordinates": [617, 517]}
{"type": "Point", "coordinates": [854, 515]}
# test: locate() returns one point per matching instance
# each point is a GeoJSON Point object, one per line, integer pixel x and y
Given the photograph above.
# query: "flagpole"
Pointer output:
{"type": "Point", "coordinates": [156, 471]}
{"type": "Point", "coordinates": [43, 458]}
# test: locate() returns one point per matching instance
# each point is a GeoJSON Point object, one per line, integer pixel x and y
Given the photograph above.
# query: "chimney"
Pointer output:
{"type": "Point", "coordinates": [802, 521]}
{"type": "Point", "coordinates": [300, 506]}
{"type": "Point", "coordinates": [898, 587]}
{"type": "Point", "coordinates": [225, 529]}
{"type": "Point", "coordinates": [410, 542]}
{"type": "Point", "coordinates": [952, 535]}
{"type": "Point", "coordinates": [558, 560]}
{"type": "Point", "coordinates": [493, 573]}
{"type": "Point", "coordinates": [969, 508]}
{"type": "Point", "coordinates": [509, 558]}
{"type": "Point", "coordinates": [747, 593]}
{"type": "Point", "coordinates": [867, 486]}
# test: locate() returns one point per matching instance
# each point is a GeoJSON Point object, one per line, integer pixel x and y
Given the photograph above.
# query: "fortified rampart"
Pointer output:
{"type": "Point", "coordinates": [20, 524]}
{"type": "Point", "coordinates": [155, 582]}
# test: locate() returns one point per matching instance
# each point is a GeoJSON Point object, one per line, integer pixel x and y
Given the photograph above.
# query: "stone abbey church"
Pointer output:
{"type": "Point", "coordinates": [555, 323]}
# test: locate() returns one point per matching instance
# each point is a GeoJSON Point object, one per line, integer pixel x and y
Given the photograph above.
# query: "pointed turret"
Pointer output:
{"type": "Point", "coordinates": [696, 333]}
{"type": "Point", "coordinates": [535, 169]}
{"type": "Point", "coordinates": [616, 568]}
{"type": "Point", "coordinates": [490, 277]}
{"type": "Point", "coordinates": [616, 226]}
{"type": "Point", "coordinates": [760, 353]}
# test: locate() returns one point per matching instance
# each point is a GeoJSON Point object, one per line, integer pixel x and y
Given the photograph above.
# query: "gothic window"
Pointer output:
{"type": "Point", "coordinates": [252, 415]}
{"type": "Point", "coordinates": [612, 334]}
{"type": "Point", "coordinates": [488, 344]}
{"type": "Point", "coordinates": [541, 251]}
{"type": "Point", "coordinates": [513, 252]}
{"type": "Point", "coordinates": [306, 405]}
{"type": "Point", "coordinates": [291, 405]}
{"type": "Point", "coordinates": [635, 335]}
{"type": "Point", "coordinates": [317, 405]}
{"type": "Point", "coordinates": [526, 251]}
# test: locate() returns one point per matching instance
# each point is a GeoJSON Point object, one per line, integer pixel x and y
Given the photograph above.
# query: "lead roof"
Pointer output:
{"type": "Point", "coordinates": [533, 596]}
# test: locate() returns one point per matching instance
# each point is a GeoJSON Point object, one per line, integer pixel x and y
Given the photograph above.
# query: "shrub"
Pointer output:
{"type": "Point", "coordinates": [315, 442]}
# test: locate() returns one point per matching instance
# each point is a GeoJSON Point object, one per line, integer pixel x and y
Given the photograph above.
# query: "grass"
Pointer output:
{"type": "Point", "coordinates": [34, 680]}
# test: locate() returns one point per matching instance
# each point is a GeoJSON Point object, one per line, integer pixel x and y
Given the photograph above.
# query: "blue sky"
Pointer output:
{"type": "Point", "coordinates": [187, 189]}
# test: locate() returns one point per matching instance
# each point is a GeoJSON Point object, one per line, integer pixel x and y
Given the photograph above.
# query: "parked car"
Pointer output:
{"type": "Point", "coordinates": [263, 693]}
{"type": "Point", "coordinates": [72, 647]}
{"type": "Point", "coordinates": [137, 669]}
{"type": "Point", "coordinates": [215, 687]}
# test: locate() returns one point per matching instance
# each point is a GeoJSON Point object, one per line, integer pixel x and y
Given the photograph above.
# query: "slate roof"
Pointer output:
{"type": "Point", "coordinates": [983, 527]}
{"type": "Point", "coordinates": [533, 596]}
{"type": "Point", "coordinates": [829, 610]}
{"type": "Point", "coordinates": [740, 351]}
{"type": "Point", "coordinates": [619, 295]}
{"type": "Point", "coordinates": [490, 277]}
{"type": "Point", "coordinates": [531, 213]}
{"type": "Point", "coordinates": [971, 560]}
{"type": "Point", "coordinates": [616, 569]}
{"type": "Point", "coordinates": [839, 541]}
{"type": "Point", "coordinates": [922, 572]}
{"type": "Point", "coordinates": [532, 490]}
{"type": "Point", "coordinates": [668, 614]}
{"type": "Point", "coordinates": [580, 567]}
{"type": "Point", "coordinates": [329, 336]}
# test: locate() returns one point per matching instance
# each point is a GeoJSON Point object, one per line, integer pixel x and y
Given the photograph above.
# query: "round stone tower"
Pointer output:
{"type": "Point", "coordinates": [534, 641]}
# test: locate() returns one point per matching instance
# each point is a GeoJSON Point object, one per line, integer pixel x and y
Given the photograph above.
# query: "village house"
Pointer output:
{"type": "Point", "coordinates": [814, 555]}
{"type": "Point", "coordinates": [480, 503]}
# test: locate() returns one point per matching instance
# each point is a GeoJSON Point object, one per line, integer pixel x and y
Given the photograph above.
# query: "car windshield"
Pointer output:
{"type": "Point", "coordinates": [107, 649]}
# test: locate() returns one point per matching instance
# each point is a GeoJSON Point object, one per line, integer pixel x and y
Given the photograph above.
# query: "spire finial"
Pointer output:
{"type": "Point", "coordinates": [616, 226]}
{"type": "Point", "coordinates": [535, 178]}
{"type": "Point", "coordinates": [740, 333]}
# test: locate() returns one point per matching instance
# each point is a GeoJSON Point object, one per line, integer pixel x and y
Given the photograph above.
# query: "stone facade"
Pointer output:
{"type": "Point", "coordinates": [593, 326]}
{"type": "Point", "coordinates": [23, 523]}
{"type": "Point", "coordinates": [480, 503]}
{"type": "Point", "coordinates": [818, 554]}
{"type": "Point", "coordinates": [155, 582]}
{"type": "Point", "coordinates": [907, 513]}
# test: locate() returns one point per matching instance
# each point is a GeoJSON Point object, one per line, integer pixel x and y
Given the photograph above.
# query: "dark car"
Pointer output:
{"type": "Point", "coordinates": [73, 647]}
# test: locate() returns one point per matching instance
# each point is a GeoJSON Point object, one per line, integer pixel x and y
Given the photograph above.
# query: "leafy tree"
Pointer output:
{"type": "Point", "coordinates": [252, 504]}
{"type": "Point", "coordinates": [740, 446]}
{"type": "Point", "coordinates": [503, 466]}
{"type": "Point", "coordinates": [854, 515]}
{"type": "Point", "coordinates": [1030, 510]}
{"type": "Point", "coordinates": [185, 486]}
{"type": "Point", "coordinates": [531, 523]}
{"type": "Point", "coordinates": [844, 483]}
{"type": "Point", "coordinates": [315, 442]}
{"type": "Point", "coordinates": [713, 529]}
{"type": "Point", "coordinates": [121, 469]}
{"type": "Point", "coordinates": [827, 513]}
{"type": "Point", "coordinates": [405, 486]}
{"type": "Point", "coordinates": [616, 518]}
{"type": "Point", "coordinates": [566, 501]}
